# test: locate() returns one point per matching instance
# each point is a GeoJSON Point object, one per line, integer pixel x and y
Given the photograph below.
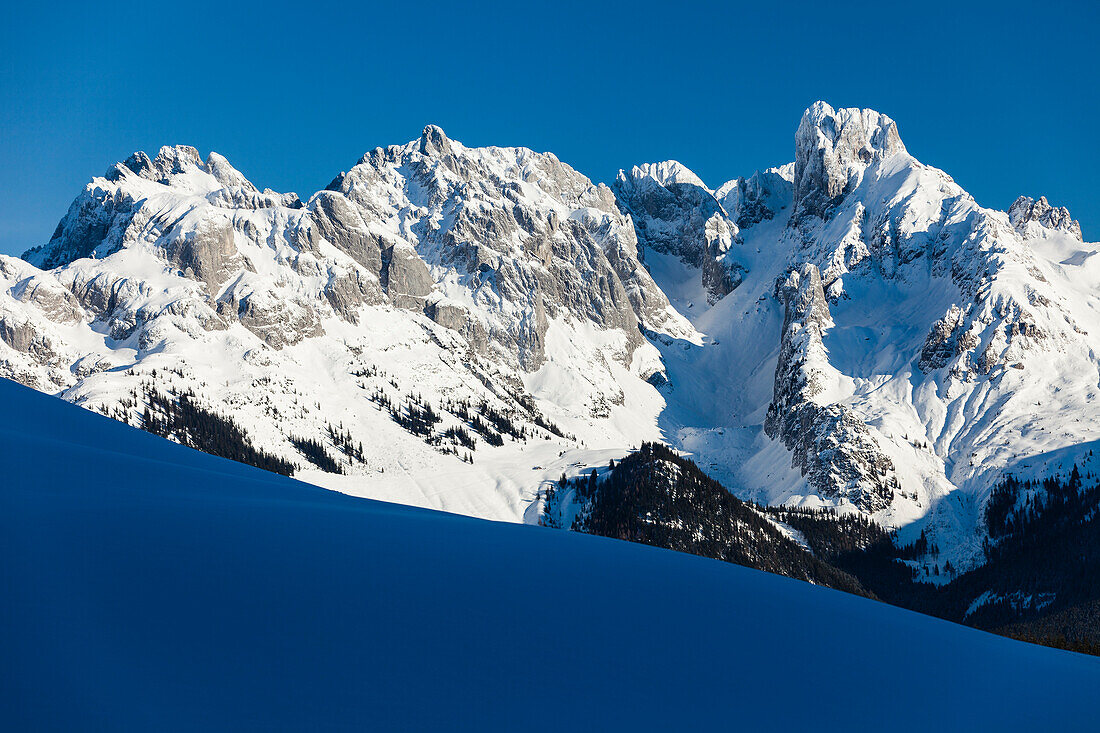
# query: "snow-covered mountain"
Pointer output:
{"type": "Point", "coordinates": [896, 344]}
{"type": "Point", "coordinates": [498, 281]}
{"type": "Point", "coordinates": [851, 329]}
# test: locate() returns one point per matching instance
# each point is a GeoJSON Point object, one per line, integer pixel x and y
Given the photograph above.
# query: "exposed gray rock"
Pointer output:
{"type": "Point", "coordinates": [758, 198]}
{"type": "Point", "coordinates": [947, 340]}
{"type": "Point", "coordinates": [458, 318]}
{"type": "Point", "coordinates": [100, 294]}
{"type": "Point", "coordinates": [240, 198]}
{"type": "Point", "coordinates": [405, 277]}
{"type": "Point", "coordinates": [494, 217]}
{"type": "Point", "coordinates": [448, 315]}
{"type": "Point", "coordinates": [56, 303]}
{"type": "Point", "coordinates": [227, 175]}
{"type": "Point", "coordinates": [278, 322]}
{"type": "Point", "coordinates": [340, 222]}
{"type": "Point", "coordinates": [1026, 213]}
{"type": "Point", "coordinates": [832, 150]}
{"type": "Point", "coordinates": [175, 159]}
{"type": "Point", "coordinates": [207, 254]}
{"type": "Point", "coordinates": [348, 293]}
{"type": "Point", "coordinates": [138, 164]}
{"type": "Point", "coordinates": [829, 444]}
{"type": "Point", "coordinates": [674, 213]}
{"type": "Point", "coordinates": [21, 336]}
{"type": "Point", "coordinates": [434, 142]}
{"type": "Point", "coordinates": [85, 228]}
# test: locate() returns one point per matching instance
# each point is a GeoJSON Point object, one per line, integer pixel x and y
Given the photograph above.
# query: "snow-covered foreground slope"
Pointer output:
{"type": "Point", "coordinates": [152, 587]}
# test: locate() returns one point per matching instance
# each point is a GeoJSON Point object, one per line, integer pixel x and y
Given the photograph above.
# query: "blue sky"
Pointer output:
{"type": "Point", "coordinates": [1001, 95]}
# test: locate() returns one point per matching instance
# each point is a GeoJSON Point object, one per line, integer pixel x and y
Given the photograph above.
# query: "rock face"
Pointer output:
{"type": "Point", "coordinates": [829, 444]}
{"type": "Point", "coordinates": [1027, 213]}
{"type": "Point", "coordinates": [497, 281]}
{"type": "Point", "coordinates": [756, 199]}
{"type": "Point", "coordinates": [945, 341]}
{"type": "Point", "coordinates": [833, 148]}
{"type": "Point", "coordinates": [873, 339]}
{"type": "Point", "coordinates": [886, 331]}
{"type": "Point", "coordinates": [522, 235]}
{"type": "Point", "coordinates": [674, 213]}
{"type": "Point", "coordinates": [516, 231]}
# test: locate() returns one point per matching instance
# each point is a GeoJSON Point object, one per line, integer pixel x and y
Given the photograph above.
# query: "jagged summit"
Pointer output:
{"type": "Point", "coordinates": [226, 174]}
{"type": "Point", "coordinates": [1026, 213]}
{"type": "Point", "coordinates": [930, 317]}
{"type": "Point", "coordinates": [433, 141]}
{"type": "Point", "coordinates": [173, 161]}
{"type": "Point", "coordinates": [664, 173]}
{"type": "Point", "coordinates": [115, 209]}
{"type": "Point", "coordinates": [675, 213]}
{"type": "Point", "coordinates": [833, 147]}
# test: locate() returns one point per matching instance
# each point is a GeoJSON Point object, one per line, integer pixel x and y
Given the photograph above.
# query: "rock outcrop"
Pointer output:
{"type": "Point", "coordinates": [902, 344]}
{"type": "Point", "coordinates": [674, 213]}
{"type": "Point", "coordinates": [524, 235]}
{"type": "Point", "coordinates": [829, 444]}
{"type": "Point", "coordinates": [833, 148]}
{"type": "Point", "coordinates": [1026, 213]}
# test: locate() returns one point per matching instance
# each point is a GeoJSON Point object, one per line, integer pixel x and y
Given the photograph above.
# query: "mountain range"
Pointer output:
{"type": "Point", "coordinates": [456, 328]}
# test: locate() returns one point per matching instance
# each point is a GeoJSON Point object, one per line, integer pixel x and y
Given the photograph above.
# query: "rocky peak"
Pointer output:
{"type": "Point", "coordinates": [675, 213]}
{"type": "Point", "coordinates": [175, 159]}
{"type": "Point", "coordinates": [433, 141]}
{"type": "Point", "coordinates": [138, 163]}
{"type": "Point", "coordinates": [1026, 213]}
{"type": "Point", "coordinates": [524, 235]}
{"type": "Point", "coordinates": [663, 173]}
{"type": "Point", "coordinates": [749, 201]}
{"type": "Point", "coordinates": [833, 147]}
{"type": "Point", "coordinates": [226, 174]}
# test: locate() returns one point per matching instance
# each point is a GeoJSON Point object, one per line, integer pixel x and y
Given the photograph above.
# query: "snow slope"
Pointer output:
{"type": "Point", "coordinates": [152, 587]}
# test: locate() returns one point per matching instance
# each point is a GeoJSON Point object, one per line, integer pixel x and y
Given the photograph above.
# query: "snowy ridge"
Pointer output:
{"type": "Point", "coordinates": [430, 272]}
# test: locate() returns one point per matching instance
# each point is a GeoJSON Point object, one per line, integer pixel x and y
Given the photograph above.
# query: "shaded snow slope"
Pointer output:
{"type": "Point", "coordinates": [149, 586]}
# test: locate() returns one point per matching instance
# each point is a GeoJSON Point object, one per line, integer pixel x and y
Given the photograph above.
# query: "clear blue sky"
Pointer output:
{"type": "Point", "coordinates": [1002, 95]}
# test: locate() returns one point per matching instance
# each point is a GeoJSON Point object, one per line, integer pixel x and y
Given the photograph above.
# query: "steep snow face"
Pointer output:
{"type": "Point", "coordinates": [497, 280]}
{"type": "Point", "coordinates": [919, 346]}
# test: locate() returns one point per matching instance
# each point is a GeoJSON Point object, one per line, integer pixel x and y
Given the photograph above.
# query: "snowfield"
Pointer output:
{"type": "Point", "coordinates": [148, 586]}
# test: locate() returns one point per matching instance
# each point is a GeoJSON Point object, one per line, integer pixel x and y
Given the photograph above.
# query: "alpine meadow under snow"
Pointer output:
{"type": "Point", "coordinates": [153, 587]}
{"type": "Point", "coordinates": [457, 328]}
